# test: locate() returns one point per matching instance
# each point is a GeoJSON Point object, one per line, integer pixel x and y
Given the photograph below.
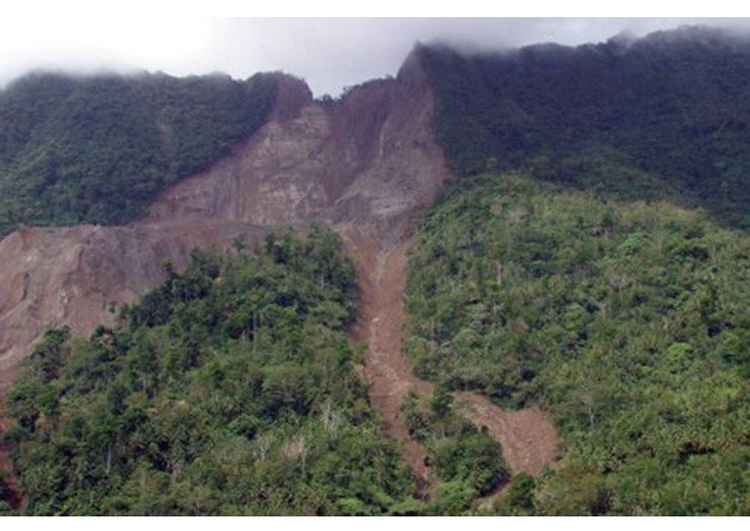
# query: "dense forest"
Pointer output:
{"type": "Point", "coordinates": [665, 116]}
{"type": "Point", "coordinates": [98, 149]}
{"type": "Point", "coordinates": [627, 322]}
{"type": "Point", "coordinates": [231, 390]}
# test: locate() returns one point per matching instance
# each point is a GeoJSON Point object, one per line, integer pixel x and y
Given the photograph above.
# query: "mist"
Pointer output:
{"type": "Point", "coordinates": [330, 54]}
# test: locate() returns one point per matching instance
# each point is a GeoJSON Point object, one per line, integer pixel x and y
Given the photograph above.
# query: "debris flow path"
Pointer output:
{"type": "Point", "coordinates": [528, 439]}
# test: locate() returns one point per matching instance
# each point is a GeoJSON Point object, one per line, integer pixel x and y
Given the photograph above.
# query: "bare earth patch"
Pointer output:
{"type": "Point", "coordinates": [528, 439]}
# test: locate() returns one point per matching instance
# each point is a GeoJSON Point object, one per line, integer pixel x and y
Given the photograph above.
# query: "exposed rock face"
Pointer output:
{"type": "Point", "coordinates": [368, 160]}
{"type": "Point", "coordinates": [77, 276]}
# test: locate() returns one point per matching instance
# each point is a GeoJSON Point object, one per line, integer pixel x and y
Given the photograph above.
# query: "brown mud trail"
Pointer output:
{"type": "Point", "coordinates": [529, 441]}
{"type": "Point", "coordinates": [380, 284]}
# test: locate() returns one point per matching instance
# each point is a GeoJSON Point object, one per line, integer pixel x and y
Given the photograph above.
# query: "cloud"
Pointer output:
{"type": "Point", "coordinates": [329, 53]}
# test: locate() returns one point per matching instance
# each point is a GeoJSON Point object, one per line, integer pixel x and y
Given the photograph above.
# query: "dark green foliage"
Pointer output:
{"type": "Point", "coordinates": [626, 321]}
{"type": "Point", "coordinates": [5, 496]}
{"type": "Point", "coordinates": [99, 149]}
{"type": "Point", "coordinates": [468, 461]}
{"type": "Point", "coordinates": [230, 390]}
{"type": "Point", "coordinates": [474, 458]}
{"type": "Point", "coordinates": [518, 499]}
{"type": "Point", "coordinates": [667, 116]}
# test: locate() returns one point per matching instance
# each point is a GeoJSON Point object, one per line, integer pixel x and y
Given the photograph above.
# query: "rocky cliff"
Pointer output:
{"type": "Point", "coordinates": [366, 162]}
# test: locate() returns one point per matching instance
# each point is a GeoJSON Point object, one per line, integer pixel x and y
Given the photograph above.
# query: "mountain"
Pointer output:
{"type": "Point", "coordinates": [367, 162]}
{"type": "Point", "coordinates": [100, 149]}
{"type": "Point", "coordinates": [661, 117]}
{"type": "Point", "coordinates": [534, 287]}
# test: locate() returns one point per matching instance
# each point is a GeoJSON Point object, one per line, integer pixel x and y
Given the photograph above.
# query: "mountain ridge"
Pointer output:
{"type": "Point", "coordinates": [368, 164]}
{"type": "Point", "coordinates": [662, 117]}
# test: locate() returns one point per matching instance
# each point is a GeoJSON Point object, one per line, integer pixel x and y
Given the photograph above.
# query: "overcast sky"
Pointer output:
{"type": "Point", "coordinates": [328, 53]}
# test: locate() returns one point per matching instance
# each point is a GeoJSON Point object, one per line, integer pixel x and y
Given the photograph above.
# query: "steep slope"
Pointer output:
{"type": "Point", "coordinates": [78, 276]}
{"type": "Point", "coordinates": [368, 160]}
{"type": "Point", "coordinates": [663, 117]}
{"type": "Point", "coordinates": [366, 165]}
{"type": "Point", "coordinates": [187, 407]}
{"type": "Point", "coordinates": [633, 334]}
{"type": "Point", "coordinates": [98, 149]}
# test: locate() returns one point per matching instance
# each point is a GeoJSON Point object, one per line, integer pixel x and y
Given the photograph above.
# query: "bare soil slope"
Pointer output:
{"type": "Point", "coordinates": [366, 165]}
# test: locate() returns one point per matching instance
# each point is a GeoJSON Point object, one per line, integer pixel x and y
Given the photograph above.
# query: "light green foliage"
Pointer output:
{"type": "Point", "coordinates": [453, 498]}
{"type": "Point", "coordinates": [229, 390]}
{"type": "Point", "coordinates": [623, 320]}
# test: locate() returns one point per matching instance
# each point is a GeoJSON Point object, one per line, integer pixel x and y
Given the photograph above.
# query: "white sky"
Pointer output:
{"type": "Point", "coordinates": [329, 53]}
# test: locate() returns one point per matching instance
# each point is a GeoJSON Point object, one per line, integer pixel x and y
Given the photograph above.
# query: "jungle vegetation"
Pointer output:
{"type": "Point", "coordinates": [99, 149]}
{"type": "Point", "coordinates": [626, 321]}
{"type": "Point", "coordinates": [662, 117]}
{"type": "Point", "coordinates": [229, 390]}
{"type": "Point", "coordinates": [591, 258]}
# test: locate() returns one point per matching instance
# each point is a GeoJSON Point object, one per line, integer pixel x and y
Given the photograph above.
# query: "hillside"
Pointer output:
{"type": "Point", "coordinates": [366, 164]}
{"type": "Point", "coordinates": [229, 390]}
{"type": "Point", "coordinates": [100, 149]}
{"type": "Point", "coordinates": [627, 322]}
{"type": "Point", "coordinates": [663, 117]}
{"type": "Point", "coordinates": [564, 334]}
